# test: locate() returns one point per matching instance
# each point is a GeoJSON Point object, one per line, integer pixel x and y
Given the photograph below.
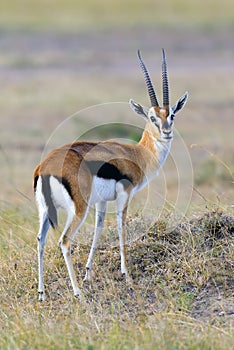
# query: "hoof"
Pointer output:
{"type": "Point", "coordinates": [41, 296]}
{"type": "Point", "coordinates": [88, 277]}
{"type": "Point", "coordinates": [126, 278]}
{"type": "Point", "coordinates": [78, 296]}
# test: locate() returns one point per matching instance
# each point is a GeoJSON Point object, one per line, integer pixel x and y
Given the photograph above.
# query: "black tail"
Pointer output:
{"type": "Point", "coordinates": [46, 190]}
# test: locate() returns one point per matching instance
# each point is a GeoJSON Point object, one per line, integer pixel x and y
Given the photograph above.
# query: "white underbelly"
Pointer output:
{"type": "Point", "coordinates": [102, 190]}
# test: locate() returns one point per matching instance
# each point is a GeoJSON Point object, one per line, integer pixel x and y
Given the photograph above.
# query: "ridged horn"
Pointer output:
{"type": "Point", "coordinates": [165, 80]}
{"type": "Point", "coordinates": [152, 95]}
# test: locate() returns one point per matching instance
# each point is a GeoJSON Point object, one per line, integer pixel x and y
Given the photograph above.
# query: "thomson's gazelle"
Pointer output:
{"type": "Point", "coordinates": [78, 175]}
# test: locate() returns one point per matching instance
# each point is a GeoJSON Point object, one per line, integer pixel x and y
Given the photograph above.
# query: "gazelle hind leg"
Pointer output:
{"type": "Point", "coordinates": [44, 228]}
{"type": "Point", "coordinates": [99, 223]}
{"type": "Point", "coordinates": [72, 226]}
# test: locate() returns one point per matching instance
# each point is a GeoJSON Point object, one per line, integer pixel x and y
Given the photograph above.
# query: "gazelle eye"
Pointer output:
{"type": "Point", "coordinates": [153, 119]}
{"type": "Point", "coordinates": [172, 116]}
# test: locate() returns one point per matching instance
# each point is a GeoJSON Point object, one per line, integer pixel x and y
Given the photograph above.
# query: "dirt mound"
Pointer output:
{"type": "Point", "coordinates": [188, 269]}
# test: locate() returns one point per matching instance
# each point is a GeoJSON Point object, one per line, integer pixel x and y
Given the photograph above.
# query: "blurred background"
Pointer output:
{"type": "Point", "coordinates": [58, 57]}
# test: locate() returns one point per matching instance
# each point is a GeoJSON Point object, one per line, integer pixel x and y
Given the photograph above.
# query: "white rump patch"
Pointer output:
{"type": "Point", "coordinates": [60, 196]}
{"type": "Point", "coordinates": [42, 207]}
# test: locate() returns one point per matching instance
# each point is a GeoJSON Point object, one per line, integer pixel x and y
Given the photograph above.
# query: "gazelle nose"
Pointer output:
{"type": "Point", "coordinates": [166, 128]}
{"type": "Point", "coordinates": [166, 132]}
{"type": "Point", "coordinates": [165, 125]}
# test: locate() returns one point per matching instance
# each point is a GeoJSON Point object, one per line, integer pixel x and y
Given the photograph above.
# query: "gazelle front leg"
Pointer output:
{"type": "Point", "coordinates": [121, 211]}
{"type": "Point", "coordinates": [99, 223]}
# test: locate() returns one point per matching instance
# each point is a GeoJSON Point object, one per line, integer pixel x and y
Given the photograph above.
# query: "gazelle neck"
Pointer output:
{"type": "Point", "coordinates": [152, 141]}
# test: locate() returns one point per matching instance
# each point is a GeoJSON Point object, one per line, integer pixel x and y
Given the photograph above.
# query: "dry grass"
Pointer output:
{"type": "Point", "coordinates": [181, 296]}
{"type": "Point", "coordinates": [61, 56]}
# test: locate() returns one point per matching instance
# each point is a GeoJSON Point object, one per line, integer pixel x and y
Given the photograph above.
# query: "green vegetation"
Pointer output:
{"type": "Point", "coordinates": [181, 296]}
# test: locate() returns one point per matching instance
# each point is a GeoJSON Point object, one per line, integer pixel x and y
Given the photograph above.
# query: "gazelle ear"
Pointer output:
{"type": "Point", "coordinates": [139, 109]}
{"type": "Point", "coordinates": [180, 103]}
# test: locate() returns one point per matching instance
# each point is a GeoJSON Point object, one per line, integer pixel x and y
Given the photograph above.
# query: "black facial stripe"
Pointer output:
{"type": "Point", "coordinates": [107, 171]}
{"type": "Point", "coordinates": [154, 121]}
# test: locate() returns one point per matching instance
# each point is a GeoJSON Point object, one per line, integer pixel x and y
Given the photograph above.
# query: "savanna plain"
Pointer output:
{"type": "Point", "coordinates": [67, 71]}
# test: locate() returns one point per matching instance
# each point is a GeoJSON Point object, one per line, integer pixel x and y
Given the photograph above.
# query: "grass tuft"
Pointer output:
{"type": "Point", "coordinates": [181, 296]}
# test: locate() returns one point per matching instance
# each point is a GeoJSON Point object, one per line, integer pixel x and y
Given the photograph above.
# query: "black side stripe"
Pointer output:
{"type": "Point", "coordinates": [108, 171]}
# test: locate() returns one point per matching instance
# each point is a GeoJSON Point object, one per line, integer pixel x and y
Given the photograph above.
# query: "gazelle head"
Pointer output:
{"type": "Point", "coordinates": [160, 119]}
